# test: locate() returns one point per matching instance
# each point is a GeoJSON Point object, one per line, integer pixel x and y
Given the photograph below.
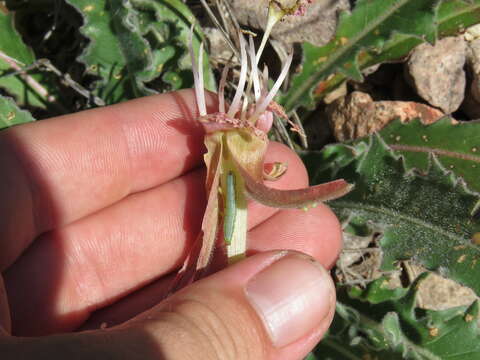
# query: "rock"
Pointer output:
{"type": "Point", "coordinates": [317, 26]}
{"type": "Point", "coordinates": [472, 33]}
{"type": "Point", "coordinates": [357, 115]}
{"type": "Point", "coordinates": [218, 47]}
{"type": "Point", "coordinates": [436, 73]}
{"type": "Point", "coordinates": [439, 293]}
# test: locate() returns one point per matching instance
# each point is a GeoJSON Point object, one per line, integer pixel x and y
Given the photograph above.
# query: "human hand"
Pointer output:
{"type": "Point", "coordinates": [99, 207]}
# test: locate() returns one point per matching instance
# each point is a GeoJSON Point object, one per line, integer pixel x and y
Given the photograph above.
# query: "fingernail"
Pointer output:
{"type": "Point", "coordinates": [292, 297]}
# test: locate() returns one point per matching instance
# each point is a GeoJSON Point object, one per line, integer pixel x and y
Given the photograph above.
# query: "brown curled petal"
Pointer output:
{"type": "Point", "coordinates": [274, 171]}
{"type": "Point", "coordinates": [299, 198]}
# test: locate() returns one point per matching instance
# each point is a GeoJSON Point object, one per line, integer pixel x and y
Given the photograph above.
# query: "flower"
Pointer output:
{"type": "Point", "coordinates": [236, 142]}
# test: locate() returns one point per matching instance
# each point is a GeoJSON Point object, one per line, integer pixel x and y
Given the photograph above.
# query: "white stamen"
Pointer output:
{"type": "Point", "coordinates": [264, 82]}
{"type": "Point", "coordinates": [241, 82]}
{"type": "Point", "coordinates": [202, 107]}
{"type": "Point", "coordinates": [264, 104]}
{"type": "Point", "coordinates": [221, 90]}
{"type": "Point", "coordinates": [197, 75]}
{"type": "Point", "coordinates": [243, 115]}
{"type": "Point", "coordinates": [254, 73]}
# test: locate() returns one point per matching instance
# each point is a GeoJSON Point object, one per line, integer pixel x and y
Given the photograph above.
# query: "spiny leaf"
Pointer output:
{"type": "Point", "coordinates": [116, 52]}
{"type": "Point", "coordinates": [429, 218]}
{"type": "Point", "coordinates": [381, 323]}
{"type": "Point", "coordinates": [456, 145]}
{"type": "Point", "coordinates": [453, 17]}
{"type": "Point", "coordinates": [129, 47]}
{"type": "Point", "coordinates": [375, 32]}
{"type": "Point", "coordinates": [13, 46]}
{"type": "Point", "coordinates": [11, 115]}
{"type": "Point", "coordinates": [168, 22]}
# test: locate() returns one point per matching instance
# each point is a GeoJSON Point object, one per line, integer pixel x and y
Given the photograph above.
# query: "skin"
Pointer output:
{"type": "Point", "coordinates": [99, 208]}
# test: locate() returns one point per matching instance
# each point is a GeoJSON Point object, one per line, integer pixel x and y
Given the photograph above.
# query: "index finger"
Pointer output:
{"type": "Point", "coordinates": [58, 170]}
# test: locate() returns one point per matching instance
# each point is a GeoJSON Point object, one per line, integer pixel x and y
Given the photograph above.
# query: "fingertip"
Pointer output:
{"type": "Point", "coordinates": [326, 238]}
{"type": "Point", "coordinates": [316, 232]}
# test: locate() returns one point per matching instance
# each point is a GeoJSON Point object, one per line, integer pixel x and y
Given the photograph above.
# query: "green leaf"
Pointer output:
{"type": "Point", "coordinates": [167, 23]}
{"type": "Point", "coordinates": [134, 43]}
{"type": "Point", "coordinates": [13, 46]}
{"type": "Point", "coordinates": [117, 53]}
{"type": "Point", "coordinates": [381, 323]}
{"type": "Point", "coordinates": [324, 68]}
{"type": "Point", "coordinates": [429, 217]}
{"type": "Point", "coordinates": [455, 144]}
{"type": "Point", "coordinates": [11, 115]}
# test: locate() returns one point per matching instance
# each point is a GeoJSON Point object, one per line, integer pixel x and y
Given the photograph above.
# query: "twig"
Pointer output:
{"type": "Point", "coordinates": [67, 80]}
{"type": "Point", "coordinates": [284, 132]}
{"type": "Point", "coordinates": [34, 84]}
{"type": "Point", "coordinates": [301, 132]}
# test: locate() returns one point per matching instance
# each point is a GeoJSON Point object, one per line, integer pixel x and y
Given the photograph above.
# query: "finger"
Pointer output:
{"type": "Point", "coordinates": [61, 169]}
{"type": "Point", "coordinates": [254, 309]}
{"type": "Point", "coordinates": [5, 324]}
{"type": "Point", "coordinates": [91, 263]}
{"type": "Point", "coordinates": [316, 233]}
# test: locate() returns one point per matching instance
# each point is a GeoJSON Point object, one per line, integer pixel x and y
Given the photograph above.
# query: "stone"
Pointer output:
{"type": "Point", "coordinates": [219, 49]}
{"type": "Point", "coordinates": [439, 293]}
{"type": "Point", "coordinates": [436, 72]}
{"type": "Point", "coordinates": [357, 115]}
{"type": "Point", "coordinates": [472, 33]}
{"type": "Point", "coordinates": [317, 26]}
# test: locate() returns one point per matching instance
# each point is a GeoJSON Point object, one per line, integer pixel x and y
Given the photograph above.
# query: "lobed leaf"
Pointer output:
{"type": "Point", "coordinates": [455, 144]}
{"type": "Point", "coordinates": [376, 31]}
{"type": "Point", "coordinates": [380, 323]}
{"type": "Point", "coordinates": [428, 217]}
{"type": "Point", "coordinates": [169, 22]}
{"type": "Point", "coordinates": [137, 47]}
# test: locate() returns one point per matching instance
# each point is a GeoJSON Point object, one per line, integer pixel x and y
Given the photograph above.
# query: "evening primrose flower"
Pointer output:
{"type": "Point", "coordinates": [236, 142]}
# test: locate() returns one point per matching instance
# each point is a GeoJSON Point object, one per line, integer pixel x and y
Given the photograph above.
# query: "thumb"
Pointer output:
{"type": "Point", "coordinates": [271, 305]}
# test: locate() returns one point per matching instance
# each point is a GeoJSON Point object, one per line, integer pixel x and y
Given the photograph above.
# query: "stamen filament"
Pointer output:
{"type": "Point", "coordinates": [254, 72]}
{"type": "Point", "coordinates": [197, 75]}
{"type": "Point", "coordinates": [264, 104]}
{"type": "Point", "coordinates": [234, 107]}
